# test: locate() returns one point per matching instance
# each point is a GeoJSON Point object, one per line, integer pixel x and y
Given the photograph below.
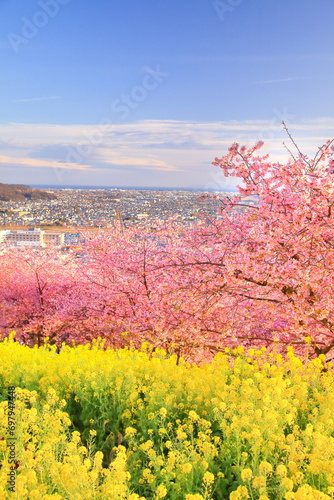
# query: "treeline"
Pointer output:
{"type": "Point", "coordinates": [17, 192]}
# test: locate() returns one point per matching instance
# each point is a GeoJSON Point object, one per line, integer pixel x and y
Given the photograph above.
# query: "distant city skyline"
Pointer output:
{"type": "Point", "coordinates": [128, 188]}
{"type": "Point", "coordinates": [148, 93]}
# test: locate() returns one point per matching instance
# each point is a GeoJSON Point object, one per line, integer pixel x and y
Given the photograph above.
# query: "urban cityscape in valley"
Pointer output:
{"type": "Point", "coordinates": [57, 221]}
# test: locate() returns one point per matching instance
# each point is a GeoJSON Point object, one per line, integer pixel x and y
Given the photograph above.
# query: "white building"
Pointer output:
{"type": "Point", "coordinates": [31, 237]}
{"type": "Point", "coordinates": [53, 239]}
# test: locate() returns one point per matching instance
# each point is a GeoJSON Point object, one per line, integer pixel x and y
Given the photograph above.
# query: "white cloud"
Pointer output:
{"type": "Point", "coordinates": [170, 151]}
{"type": "Point", "coordinates": [148, 162]}
{"type": "Point", "coordinates": [33, 162]}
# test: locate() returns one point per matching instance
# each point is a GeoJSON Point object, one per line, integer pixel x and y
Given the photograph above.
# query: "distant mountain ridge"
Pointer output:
{"type": "Point", "coordinates": [17, 192]}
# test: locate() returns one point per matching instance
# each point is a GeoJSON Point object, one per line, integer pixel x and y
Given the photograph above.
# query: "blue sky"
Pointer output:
{"type": "Point", "coordinates": [149, 92]}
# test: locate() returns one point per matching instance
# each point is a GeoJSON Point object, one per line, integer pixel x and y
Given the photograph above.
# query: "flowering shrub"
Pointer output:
{"type": "Point", "coordinates": [125, 424]}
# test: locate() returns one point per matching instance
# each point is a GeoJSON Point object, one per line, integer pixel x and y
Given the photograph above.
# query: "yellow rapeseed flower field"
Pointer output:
{"type": "Point", "coordinates": [95, 423]}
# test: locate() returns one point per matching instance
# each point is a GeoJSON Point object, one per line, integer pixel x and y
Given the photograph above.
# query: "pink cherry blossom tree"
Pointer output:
{"type": "Point", "coordinates": [41, 296]}
{"type": "Point", "coordinates": [278, 259]}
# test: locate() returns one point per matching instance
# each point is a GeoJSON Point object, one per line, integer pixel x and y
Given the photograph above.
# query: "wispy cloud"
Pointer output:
{"type": "Point", "coordinates": [32, 162]}
{"type": "Point", "coordinates": [165, 152]}
{"type": "Point", "coordinates": [167, 134]}
{"type": "Point", "coordinates": [148, 162]}
{"type": "Point", "coordinates": [278, 80]}
{"type": "Point", "coordinates": [31, 99]}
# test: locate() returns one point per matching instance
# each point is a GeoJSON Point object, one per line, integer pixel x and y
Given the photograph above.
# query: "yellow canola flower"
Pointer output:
{"type": "Point", "coordinates": [161, 491]}
{"type": "Point", "coordinates": [193, 416]}
{"type": "Point", "coordinates": [130, 432]}
{"type": "Point", "coordinates": [246, 475]}
{"type": "Point", "coordinates": [208, 478]}
{"type": "Point", "coordinates": [186, 468]}
{"type": "Point", "coordinates": [281, 470]}
{"type": "Point", "coordinates": [287, 483]}
{"type": "Point", "coordinates": [259, 482]}
{"type": "Point", "coordinates": [147, 445]}
{"type": "Point", "coordinates": [163, 412]}
{"type": "Point", "coordinates": [241, 493]}
{"type": "Point", "coordinates": [265, 467]}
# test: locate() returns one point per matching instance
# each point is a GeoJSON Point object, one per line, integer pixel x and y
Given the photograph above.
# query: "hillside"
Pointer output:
{"type": "Point", "coordinates": [13, 192]}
